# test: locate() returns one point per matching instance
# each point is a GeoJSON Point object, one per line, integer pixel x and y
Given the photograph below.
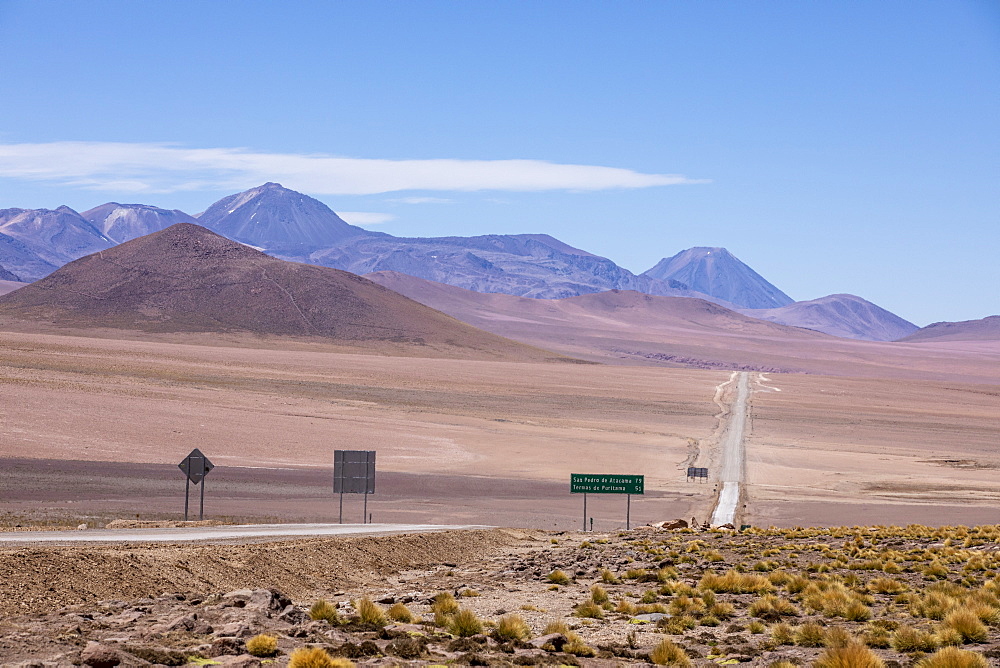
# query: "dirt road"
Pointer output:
{"type": "Point", "coordinates": [733, 460]}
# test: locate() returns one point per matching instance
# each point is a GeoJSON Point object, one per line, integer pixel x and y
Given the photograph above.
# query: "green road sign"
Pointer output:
{"type": "Point", "coordinates": [585, 483]}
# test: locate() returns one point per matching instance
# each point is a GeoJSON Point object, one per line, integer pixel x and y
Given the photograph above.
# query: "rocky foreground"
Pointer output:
{"type": "Point", "coordinates": [880, 596]}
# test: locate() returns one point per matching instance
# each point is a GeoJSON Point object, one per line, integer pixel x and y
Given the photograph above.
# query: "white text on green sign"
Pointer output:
{"type": "Point", "coordinates": [586, 483]}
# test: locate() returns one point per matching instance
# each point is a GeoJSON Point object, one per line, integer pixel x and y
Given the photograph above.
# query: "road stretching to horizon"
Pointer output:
{"type": "Point", "coordinates": [733, 455]}
{"type": "Point", "coordinates": [239, 532]}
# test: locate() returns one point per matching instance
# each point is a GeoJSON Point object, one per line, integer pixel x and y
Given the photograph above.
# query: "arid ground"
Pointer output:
{"type": "Point", "coordinates": [93, 428]}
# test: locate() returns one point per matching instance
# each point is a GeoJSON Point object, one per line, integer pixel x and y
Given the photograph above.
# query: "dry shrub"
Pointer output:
{"type": "Point", "coordinates": [935, 571]}
{"type": "Point", "coordinates": [783, 634]}
{"type": "Point", "coordinates": [756, 627]}
{"type": "Point", "coordinates": [446, 603]}
{"type": "Point", "coordinates": [669, 654]}
{"type": "Point", "coordinates": [370, 612]}
{"type": "Point", "coordinates": [607, 577]}
{"type": "Point", "coordinates": [676, 626]}
{"type": "Point", "coordinates": [400, 613]}
{"type": "Point", "coordinates": [465, 623]}
{"type": "Point", "coordinates": [968, 625]}
{"type": "Point", "coordinates": [953, 657]}
{"type": "Point", "coordinates": [626, 607]}
{"type": "Point", "coordinates": [772, 608]}
{"type": "Point", "coordinates": [734, 582]}
{"type": "Point", "coordinates": [589, 609]}
{"type": "Point", "coordinates": [575, 645]}
{"type": "Point", "coordinates": [315, 657]}
{"type": "Point", "coordinates": [599, 594]}
{"type": "Point", "coordinates": [558, 577]}
{"type": "Point", "coordinates": [323, 609]}
{"type": "Point", "coordinates": [836, 636]}
{"type": "Point", "coordinates": [810, 635]}
{"type": "Point", "coordinates": [262, 645]}
{"type": "Point", "coordinates": [722, 610]}
{"type": "Point", "coordinates": [511, 627]}
{"type": "Point", "coordinates": [556, 626]}
{"type": "Point", "coordinates": [886, 586]}
{"type": "Point", "coordinates": [850, 656]}
{"type": "Point", "coordinates": [685, 604]}
{"type": "Point", "coordinates": [908, 639]}
{"type": "Point", "coordinates": [782, 664]}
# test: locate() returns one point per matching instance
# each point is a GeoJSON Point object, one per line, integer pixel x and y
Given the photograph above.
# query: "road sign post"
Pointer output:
{"type": "Point", "coordinates": [354, 473]}
{"type": "Point", "coordinates": [584, 483]}
{"type": "Point", "coordinates": [196, 466]}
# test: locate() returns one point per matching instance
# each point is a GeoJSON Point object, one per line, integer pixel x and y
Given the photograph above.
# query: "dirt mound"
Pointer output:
{"type": "Point", "coordinates": [188, 279]}
{"type": "Point", "coordinates": [41, 579]}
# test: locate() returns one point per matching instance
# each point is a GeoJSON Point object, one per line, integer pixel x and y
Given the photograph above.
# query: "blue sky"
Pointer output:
{"type": "Point", "coordinates": [833, 146]}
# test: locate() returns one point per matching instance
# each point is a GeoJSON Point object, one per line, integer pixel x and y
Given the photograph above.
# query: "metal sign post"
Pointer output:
{"type": "Point", "coordinates": [354, 473]}
{"type": "Point", "coordinates": [196, 467]}
{"type": "Point", "coordinates": [582, 483]}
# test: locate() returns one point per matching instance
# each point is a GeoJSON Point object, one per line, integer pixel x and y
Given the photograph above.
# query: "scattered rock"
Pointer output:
{"type": "Point", "coordinates": [555, 641]}
{"type": "Point", "coordinates": [97, 655]}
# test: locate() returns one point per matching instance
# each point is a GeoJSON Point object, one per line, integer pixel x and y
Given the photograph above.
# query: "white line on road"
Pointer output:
{"type": "Point", "coordinates": [733, 456]}
{"type": "Point", "coordinates": [217, 533]}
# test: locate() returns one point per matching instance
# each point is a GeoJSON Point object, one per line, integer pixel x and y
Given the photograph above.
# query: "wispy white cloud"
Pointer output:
{"type": "Point", "coordinates": [138, 168]}
{"type": "Point", "coordinates": [365, 217]}
{"type": "Point", "coordinates": [423, 200]}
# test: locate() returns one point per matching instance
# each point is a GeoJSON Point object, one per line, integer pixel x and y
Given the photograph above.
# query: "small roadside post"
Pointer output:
{"type": "Point", "coordinates": [196, 466]}
{"type": "Point", "coordinates": [354, 473]}
{"type": "Point", "coordinates": [584, 483]}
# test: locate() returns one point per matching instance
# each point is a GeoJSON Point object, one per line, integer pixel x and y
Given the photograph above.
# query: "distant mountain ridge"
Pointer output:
{"type": "Point", "coordinates": [187, 279]}
{"type": "Point", "coordinates": [719, 273]}
{"type": "Point", "coordinates": [292, 226]}
{"type": "Point", "coordinates": [46, 239]}
{"type": "Point", "coordinates": [983, 329]}
{"type": "Point", "coordinates": [124, 222]}
{"type": "Point", "coordinates": [846, 316]}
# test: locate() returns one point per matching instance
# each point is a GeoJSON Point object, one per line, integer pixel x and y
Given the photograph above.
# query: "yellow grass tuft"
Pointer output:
{"type": "Point", "coordinates": [323, 609]}
{"type": "Point", "coordinates": [967, 625]}
{"type": "Point", "coordinates": [953, 657]}
{"type": "Point", "coordinates": [511, 627]}
{"type": "Point", "coordinates": [849, 656]}
{"type": "Point", "coordinates": [400, 613]}
{"type": "Point", "coordinates": [558, 577]}
{"type": "Point", "coordinates": [669, 654]}
{"type": "Point", "coordinates": [262, 645]}
{"type": "Point", "coordinates": [370, 612]}
{"type": "Point", "coordinates": [465, 623]}
{"type": "Point", "coordinates": [315, 657]}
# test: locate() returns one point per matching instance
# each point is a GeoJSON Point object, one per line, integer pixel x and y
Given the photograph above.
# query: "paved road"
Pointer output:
{"type": "Point", "coordinates": [235, 533]}
{"type": "Point", "coordinates": [733, 455]}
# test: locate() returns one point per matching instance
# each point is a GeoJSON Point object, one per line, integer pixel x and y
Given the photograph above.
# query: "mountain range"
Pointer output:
{"type": "Point", "coordinates": [292, 226]}
{"type": "Point", "coordinates": [187, 279]}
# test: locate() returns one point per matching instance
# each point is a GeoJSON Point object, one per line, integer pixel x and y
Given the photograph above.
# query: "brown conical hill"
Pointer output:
{"type": "Point", "coordinates": [188, 279]}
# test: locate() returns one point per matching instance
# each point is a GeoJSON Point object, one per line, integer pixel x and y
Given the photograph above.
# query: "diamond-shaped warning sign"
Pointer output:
{"type": "Point", "coordinates": [196, 466]}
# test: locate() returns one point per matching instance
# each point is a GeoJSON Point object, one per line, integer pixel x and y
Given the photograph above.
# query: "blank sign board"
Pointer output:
{"type": "Point", "coordinates": [353, 471]}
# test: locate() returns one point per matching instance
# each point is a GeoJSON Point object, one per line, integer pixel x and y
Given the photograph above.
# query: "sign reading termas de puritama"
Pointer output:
{"type": "Point", "coordinates": [600, 483]}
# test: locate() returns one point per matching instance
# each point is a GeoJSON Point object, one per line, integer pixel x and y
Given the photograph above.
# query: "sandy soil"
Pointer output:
{"type": "Point", "coordinates": [457, 429]}
{"type": "Point", "coordinates": [472, 441]}
{"type": "Point", "coordinates": [866, 451]}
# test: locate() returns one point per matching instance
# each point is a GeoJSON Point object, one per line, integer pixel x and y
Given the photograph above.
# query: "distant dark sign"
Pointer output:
{"type": "Point", "coordinates": [696, 472]}
{"type": "Point", "coordinates": [353, 471]}
{"type": "Point", "coordinates": [585, 483]}
{"type": "Point", "coordinates": [196, 466]}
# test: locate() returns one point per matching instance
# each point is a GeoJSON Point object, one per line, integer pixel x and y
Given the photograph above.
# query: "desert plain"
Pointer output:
{"type": "Point", "coordinates": [94, 427]}
{"type": "Point", "coordinates": [486, 431]}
